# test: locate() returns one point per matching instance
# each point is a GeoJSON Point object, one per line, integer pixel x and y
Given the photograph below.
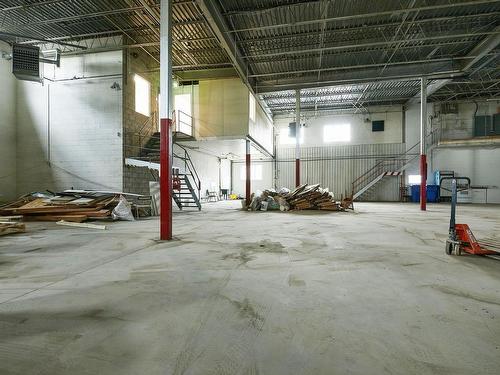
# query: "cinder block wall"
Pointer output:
{"type": "Point", "coordinates": [136, 179]}
{"type": "Point", "coordinates": [69, 131]}
{"type": "Point", "coordinates": [137, 128]}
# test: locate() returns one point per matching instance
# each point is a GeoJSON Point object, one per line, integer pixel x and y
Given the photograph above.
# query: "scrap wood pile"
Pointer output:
{"type": "Point", "coordinates": [68, 206]}
{"type": "Point", "coordinates": [7, 227]}
{"type": "Point", "coordinates": [304, 197]}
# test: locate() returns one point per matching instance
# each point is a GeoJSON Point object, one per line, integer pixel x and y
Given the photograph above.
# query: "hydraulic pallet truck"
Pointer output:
{"type": "Point", "coordinates": [461, 239]}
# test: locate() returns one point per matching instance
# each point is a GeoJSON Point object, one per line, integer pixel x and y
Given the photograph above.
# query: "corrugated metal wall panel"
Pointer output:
{"type": "Point", "coordinates": [336, 167]}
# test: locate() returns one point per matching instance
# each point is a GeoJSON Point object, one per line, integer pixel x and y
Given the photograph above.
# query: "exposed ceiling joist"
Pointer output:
{"type": "Point", "coordinates": [219, 26]}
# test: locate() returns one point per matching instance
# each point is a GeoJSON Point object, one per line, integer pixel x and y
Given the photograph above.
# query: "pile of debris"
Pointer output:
{"type": "Point", "coordinates": [304, 197]}
{"type": "Point", "coordinates": [69, 206]}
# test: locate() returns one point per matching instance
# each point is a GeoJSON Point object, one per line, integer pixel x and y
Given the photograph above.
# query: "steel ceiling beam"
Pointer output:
{"type": "Point", "coordinates": [78, 17]}
{"type": "Point", "coordinates": [13, 35]}
{"type": "Point", "coordinates": [103, 13]}
{"type": "Point", "coordinates": [390, 13]}
{"type": "Point", "coordinates": [272, 8]}
{"type": "Point", "coordinates": [483, 48]}
{"type": "Point", "coordinates": [32, 5]}
{"type": "Point", "coordinates": [440, 70]}
{"type": "Point", "coordinates": [259, 39]}
{"type": "Point", "coordinates": [363, 66]}
{"type": "Point", "coordinates": [372, 44]}
{"type": "Point", "coordinates": [431, 89]}
{"type": "Point", "coordinates": [220, 28]}
{"type": "Point", "coordinates": [358, 90]}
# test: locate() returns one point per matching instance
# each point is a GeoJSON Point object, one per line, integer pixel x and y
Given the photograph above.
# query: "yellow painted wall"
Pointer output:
{"type": "Point", "coordinates": [223, 108]}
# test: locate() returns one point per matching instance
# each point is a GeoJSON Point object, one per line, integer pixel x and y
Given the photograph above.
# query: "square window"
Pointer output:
{"type": "Point", "coordinates": [414, 179]}
{"type": "Point", "coordinates": [337, 133]}
{"type": "Point", "coordinates": [142, 95]}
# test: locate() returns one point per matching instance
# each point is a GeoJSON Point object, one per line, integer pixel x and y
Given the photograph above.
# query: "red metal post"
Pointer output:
{"type": "Point", "coordinates": [297, 137]}
{"type": "Point", "coordinates": [166, 179]}
{"type": "Point", "coordinates": [165, 105]}
{"type": "Point", "coordinates": [248, 174]}
{"type": "Point", "coordinates": [423, 182]}
{"type": "Point", "coordinates": [297, 172]}
{"type": "Point", "coordinates": [423, 158]}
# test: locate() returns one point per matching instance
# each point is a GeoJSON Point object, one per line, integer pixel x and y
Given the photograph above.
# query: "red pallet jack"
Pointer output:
{"type": "Point", "coordinates": [461, 239]}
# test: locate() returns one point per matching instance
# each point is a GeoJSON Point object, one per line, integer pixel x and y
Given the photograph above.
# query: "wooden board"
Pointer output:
{"type": "Point", "coordinates": [10, 228]}
{"type": "Point", "coordinates": [11, 218]}
{"type": "Point", "coordinates": [81, 225]}
{"type": "Point", "coordinates": [72, 218]}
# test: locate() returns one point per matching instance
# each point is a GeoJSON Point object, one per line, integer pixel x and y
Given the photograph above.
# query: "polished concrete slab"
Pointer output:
{"type": "Point", "coordinates": [364, 292]}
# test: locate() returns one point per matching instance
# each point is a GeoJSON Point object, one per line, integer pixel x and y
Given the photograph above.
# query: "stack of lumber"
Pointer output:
{"type": "Point", "coordinates": [304, 197]}
{"type": "Point", "coordinates": [7, 227]}
{"type": "Point", "coordinates": [70, 206]}
{"type": "Point", "coordinates": [312, 197]}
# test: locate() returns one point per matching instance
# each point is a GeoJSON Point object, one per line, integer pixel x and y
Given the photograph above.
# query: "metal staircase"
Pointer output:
{"type": "Point", "coordinates": [186, 183]}
{"type": "Point", "coordinates": [185, 180]}
{"type": "Point", "coordinates": [394, 166]}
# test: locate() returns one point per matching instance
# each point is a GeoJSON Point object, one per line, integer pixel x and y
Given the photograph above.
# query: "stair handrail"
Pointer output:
{"type": "Point", "coordinates": [148, 123]}
{"type": "Point", "coordinates": [190, 167]}
{"type": "Point", "coordinates": [378, 169]}
{"type": "Point", "coordinates": [178, 114]}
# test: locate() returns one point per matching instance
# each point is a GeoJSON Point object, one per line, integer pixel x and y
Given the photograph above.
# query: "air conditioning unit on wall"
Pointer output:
{"type": "Point", "coordinates": [26, 61]}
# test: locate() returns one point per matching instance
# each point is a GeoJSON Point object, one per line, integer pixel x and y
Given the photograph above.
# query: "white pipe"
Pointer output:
{"type": "Point", "coordinates": [165, 60]}
{"type": "Point", "coordinates": [423, 114]}
{"type": "Point", "coordinates": [297, 124]}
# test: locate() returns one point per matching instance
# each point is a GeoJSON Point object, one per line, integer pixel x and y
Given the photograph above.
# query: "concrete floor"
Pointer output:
{"type": "Point", "coordinates": [369, 292]}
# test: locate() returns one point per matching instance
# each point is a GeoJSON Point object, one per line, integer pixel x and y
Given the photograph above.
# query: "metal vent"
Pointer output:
{"type": "Point", "coordinates": [26, 62]}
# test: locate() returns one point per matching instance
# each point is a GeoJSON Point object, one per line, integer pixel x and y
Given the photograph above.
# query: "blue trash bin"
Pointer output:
{"type": "Point", "coordinates": [433, 193]}
{"type": "Point", "coordinates": [415, 193]}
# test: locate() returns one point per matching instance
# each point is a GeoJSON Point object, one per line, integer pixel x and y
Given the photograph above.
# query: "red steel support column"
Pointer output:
{"type": "Point", "coordinates": [297, 137]}
{"type": "Point", "coordinates": [166, 179]}
{"type": "Point", "coordinates": [423, 158]}
{"type": "Point", "coordinates": [165, 120]}
{"type": "Point", "coordinates": [248, 174]}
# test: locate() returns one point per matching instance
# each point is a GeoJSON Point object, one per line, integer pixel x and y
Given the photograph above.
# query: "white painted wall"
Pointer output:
{"type": "Point", "coordinates": [7, 128]}
{"type": "Point", "coordinates": [361, 131]}
{"type": "Point", "coordinates": [266, 182]}
{"type": "Point", "coordinates": [262, 128]}
{"type": "Point", "coordinates": [69, 131]}
{"type": "Point", "coordinates": [225, 174]}
{"type": "Point", "coordinates": [207, 167]}
{"type": "Point", "coordinates": [336, 164]}
{"type": "Point", "coordinates": [481, 164]}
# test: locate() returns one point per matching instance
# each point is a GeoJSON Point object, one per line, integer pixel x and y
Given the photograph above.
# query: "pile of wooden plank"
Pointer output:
{"type": "Point", "coordinates": [304, 197]}
{"type": "Point", "coordinates": [312, 197]}
{"type": "Point", "coordinates": [7, 227]}
{"type": "Point", "coordinates": [70, 206]}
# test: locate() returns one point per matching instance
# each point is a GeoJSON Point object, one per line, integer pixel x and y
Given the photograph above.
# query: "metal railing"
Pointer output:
{"type": "Point", "coordinates": [149, 127]}
{"type": "Point", "coordinates": [393, 164]}
{"type": "Point", "coordinates": [183, 123]}
{"type": "Point", "coordinates": [189, 168]}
